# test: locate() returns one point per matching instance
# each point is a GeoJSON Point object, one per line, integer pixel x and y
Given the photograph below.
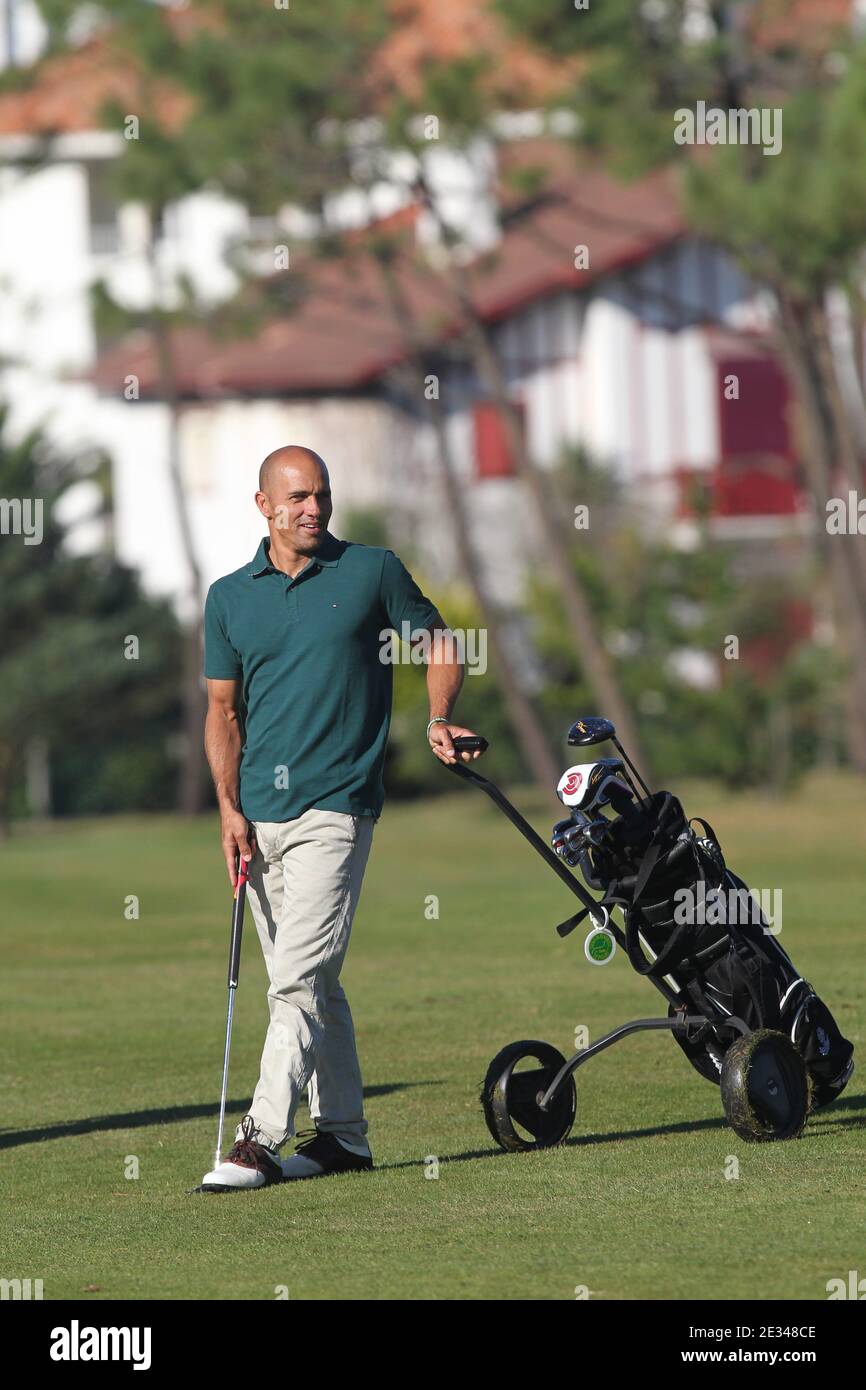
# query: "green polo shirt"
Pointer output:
{"type": "Point", "coordinates": [317, 695]}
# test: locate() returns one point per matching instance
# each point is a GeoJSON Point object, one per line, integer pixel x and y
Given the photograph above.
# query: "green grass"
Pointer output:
{"type": "Point", "coordinates": [113, 1035]}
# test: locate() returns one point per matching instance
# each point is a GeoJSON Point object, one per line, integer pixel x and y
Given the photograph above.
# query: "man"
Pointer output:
{"type": "Point", "coordinates": [295, 637]}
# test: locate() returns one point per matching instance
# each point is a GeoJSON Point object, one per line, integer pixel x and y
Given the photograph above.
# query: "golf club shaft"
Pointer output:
{"type": "Point", "coordinates": [224, 1090]}
{"type": "Point", "coordinates": [628, 760]}
{"type": "Point", "coordinates": [234, 973]}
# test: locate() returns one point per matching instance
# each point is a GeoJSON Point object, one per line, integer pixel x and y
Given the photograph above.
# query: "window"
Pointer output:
{"type": "Point", "coordinates": [104, 234]}
{"type": "Point", "coordinates": [493, 454]}
{"type": "Point", "coordinates": [756, 475]}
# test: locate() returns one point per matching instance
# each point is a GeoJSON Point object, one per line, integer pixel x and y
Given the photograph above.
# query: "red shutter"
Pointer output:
{"type": "Point", "coordinates": [756, 473]}
{"type": "Point", "coordinates": [493, 455]}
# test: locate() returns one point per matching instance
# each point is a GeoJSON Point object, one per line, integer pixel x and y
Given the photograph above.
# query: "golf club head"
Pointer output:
{"type": "Point", "coordinates": [567, 840]}
{"type": "Point", "coordinates": [591, 729]}
{"type": "Point", "coordinates": [210, 1191]}
{"type": "Point", "coordinates": [595, 832]}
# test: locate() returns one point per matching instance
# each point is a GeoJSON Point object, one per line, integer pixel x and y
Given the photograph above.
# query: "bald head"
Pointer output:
{"type": "Point", "coordinates": [288, 457]}
{"type": "Point", "coordinates": [295, 496]}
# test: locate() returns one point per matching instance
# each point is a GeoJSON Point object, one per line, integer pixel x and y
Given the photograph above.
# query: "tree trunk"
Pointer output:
{"type": "Point", "coordinates": [193, 770]}
{"type": "Point", "coordinates": [521, 713]}
{"type": "Point", "coordinates": [590, 652]}
{"type": "Point", "coordinates": [592, 657]}
{"type": "Point", "coordinates": [7, 767]}
{"type": "Point", "coordinates": [524, 720]}
{"type": "Point", "coordinates": [848, 451]}
{"type": "Point", "coordinates": [820, 452]}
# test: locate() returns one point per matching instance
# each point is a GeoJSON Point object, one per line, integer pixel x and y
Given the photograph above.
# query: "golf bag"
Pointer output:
{"type": "Point", "coordinates": [737, 1007]}
{"type": "Point", "coordinates": [692, 923]}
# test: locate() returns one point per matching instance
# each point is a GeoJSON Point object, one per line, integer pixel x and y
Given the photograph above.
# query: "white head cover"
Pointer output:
{"type": "Point", "coordinates": [573, 787]}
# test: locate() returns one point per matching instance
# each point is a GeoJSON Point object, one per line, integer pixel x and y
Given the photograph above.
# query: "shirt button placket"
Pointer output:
{"type": "Point", "coordinates": [291, 602]}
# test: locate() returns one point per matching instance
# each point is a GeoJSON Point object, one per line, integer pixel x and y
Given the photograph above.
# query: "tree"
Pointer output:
{"type": "Point", "coordinates": [88, 662]}
{"type": "Point", "coordinates": [293, 108]}
{"type": "Point", "coordinates": [578, 617]}
{"type": "Point", "coordinates": [759, 712]}
{"type": "Point", "coordinates": [794, 219]}
{"type": "Point", "coordinates": [268, 124]}
{"type": "Point", "coordinates": [422, 366]}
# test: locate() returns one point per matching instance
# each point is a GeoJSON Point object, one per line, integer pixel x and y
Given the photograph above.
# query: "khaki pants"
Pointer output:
{"type": "Point", "coordinates": [305, 880]}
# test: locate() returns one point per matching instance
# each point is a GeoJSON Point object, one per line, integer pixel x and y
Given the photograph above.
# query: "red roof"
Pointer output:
{"type": "Point", "coordinates": [430, 31]}
{"type": "Point", "coordinates": [342, 335]}
{"type": "Point", "coordinates": [68, 91]}
{"type": "Point", "coordinates": [806, 24]}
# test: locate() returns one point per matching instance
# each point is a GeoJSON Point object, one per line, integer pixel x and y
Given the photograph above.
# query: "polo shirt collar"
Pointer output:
{"type": "Point", "coordinates": [328, 554]}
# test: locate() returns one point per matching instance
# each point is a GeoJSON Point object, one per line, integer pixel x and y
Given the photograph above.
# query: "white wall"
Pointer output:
{"type": "Point", "coordinates": [363, 443]}
{"type": "Point", "coordinates": [627, 370]}
{"type": "Point", "coordinates": [45, 318]}
{"type": "Point", "coordinates": [47, 338]}
{"type": "Point", "coordinates": [29, 34]}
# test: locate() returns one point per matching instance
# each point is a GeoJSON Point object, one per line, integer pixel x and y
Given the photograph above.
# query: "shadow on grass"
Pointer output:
{"type": "Point", "coordinates": [577, 1142]}
{"type": "Point", "coordinates": [143, 1119]}
{"type": "Point", "coordinates": [830, 1119]}
{"type": "Point", "coordinates": [822, 1126]}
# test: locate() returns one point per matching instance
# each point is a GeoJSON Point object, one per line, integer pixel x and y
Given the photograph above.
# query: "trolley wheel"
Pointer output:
{"type": "Point", "coordinates": [511, 1093]}
{"type": "Point", "coordinates": [765, 1087]}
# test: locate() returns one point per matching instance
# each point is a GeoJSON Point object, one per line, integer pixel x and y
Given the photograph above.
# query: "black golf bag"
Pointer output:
{"type": "Point", "coordinates": [693, 924]}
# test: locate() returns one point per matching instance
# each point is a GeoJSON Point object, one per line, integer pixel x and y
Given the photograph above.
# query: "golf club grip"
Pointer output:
{"type": "Point", "coordinates": [238, 924]}
{"type": "Point", "coordinates": [470, 743]}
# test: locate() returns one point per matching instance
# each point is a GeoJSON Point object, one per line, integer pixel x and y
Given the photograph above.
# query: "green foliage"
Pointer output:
{"type": "Point", "coordinates": [636, 71]}
{"type": "Point", "coordinates": [793, 219]}
{"type": "Point", "coordinates": [796, 218]}
{"type": "Point", "coordinates": [364, 526]}
{"type": "Point", "coordinates": [453, 91]}
{"type": "Point", "coordinates": [269, 92]}
{"type": "Point", "coordinates": [64, 677]}
{"type": "Point", "coordinates": [279, 111]}
{"type": "Point", "coordinates": [656, 604]}
{"type": "Point", "coordinates": [411, 768]}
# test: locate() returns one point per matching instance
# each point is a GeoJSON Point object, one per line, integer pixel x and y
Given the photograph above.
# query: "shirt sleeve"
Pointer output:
{"type": "Point", "coordinates": [221, 661]}
{"type": "Point", "coordinates": [401, 598]}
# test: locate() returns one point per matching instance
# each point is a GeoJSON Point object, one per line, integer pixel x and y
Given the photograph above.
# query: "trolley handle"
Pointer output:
{"type": "Point", "coordinates": [470, 743]}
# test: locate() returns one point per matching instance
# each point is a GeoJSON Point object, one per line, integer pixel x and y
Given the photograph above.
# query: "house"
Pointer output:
{"type": "Point", "coordinates": [632, 355]}
{"type": "Point", "coordinates": [619, 332]}
{"type": "Point", "coordinates": [61, 232]}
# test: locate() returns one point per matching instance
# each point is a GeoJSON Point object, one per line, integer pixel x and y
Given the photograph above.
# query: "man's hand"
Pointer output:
{"type": "Point", "coordinates": [441, 740]}
{"type": "Point", "coordinates": [237, 839]}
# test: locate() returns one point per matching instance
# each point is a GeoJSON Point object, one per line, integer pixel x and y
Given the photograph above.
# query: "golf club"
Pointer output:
{"type": "Point", "coordinates": [240, 899]}
{"type": "Point", "coordinates": [593, 729]}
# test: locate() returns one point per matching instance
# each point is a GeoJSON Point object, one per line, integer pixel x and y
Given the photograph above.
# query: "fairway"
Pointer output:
{"type": "Point", "coordinates": [112, 1040]}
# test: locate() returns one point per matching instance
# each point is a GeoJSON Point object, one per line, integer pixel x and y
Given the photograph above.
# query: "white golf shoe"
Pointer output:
{"type": "Point", "coordinates": [248, 1165]}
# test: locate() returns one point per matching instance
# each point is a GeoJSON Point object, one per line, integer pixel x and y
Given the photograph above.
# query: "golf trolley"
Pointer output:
{"type": "Point", "coordinates": [739, 1011]}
